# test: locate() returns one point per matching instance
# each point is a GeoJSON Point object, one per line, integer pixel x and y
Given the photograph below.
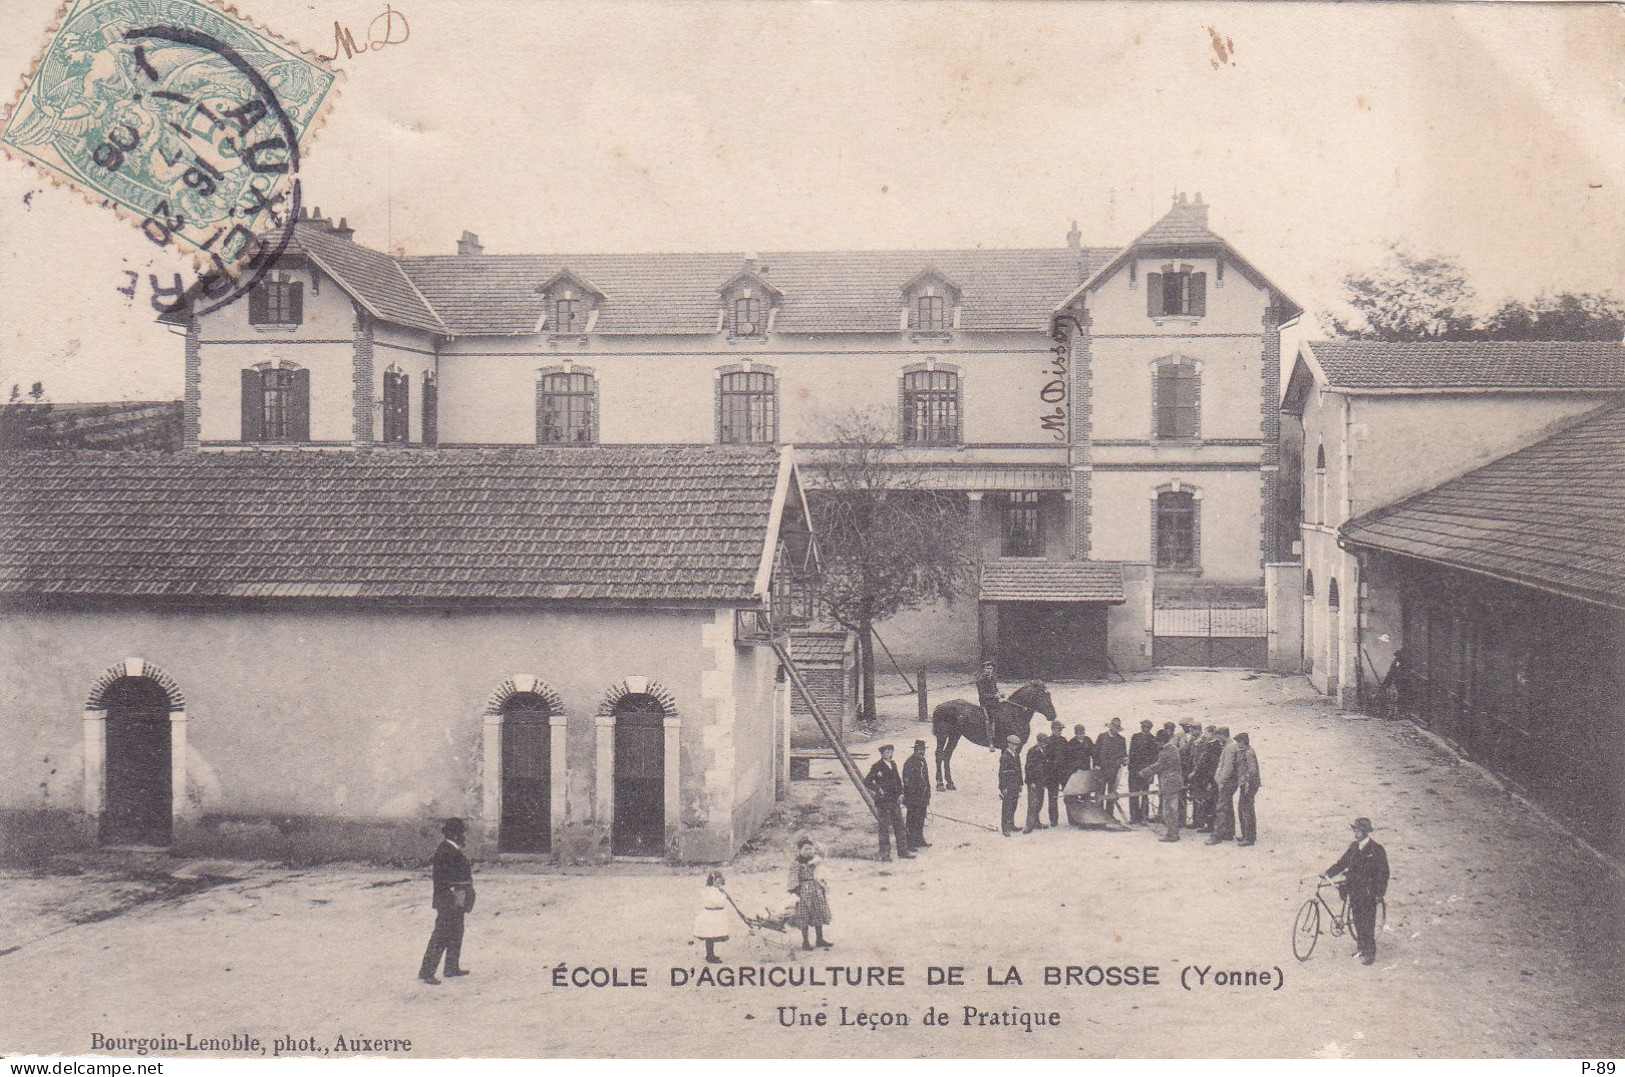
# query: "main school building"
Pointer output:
{"type": "Point", "coordinates": [483, 534]}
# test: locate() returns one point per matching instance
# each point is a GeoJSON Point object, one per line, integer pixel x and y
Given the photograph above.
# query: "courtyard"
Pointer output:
{"type": "Point", "coordinates": [1503, 937]}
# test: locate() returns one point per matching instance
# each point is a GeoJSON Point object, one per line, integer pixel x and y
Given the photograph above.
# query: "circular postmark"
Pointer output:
{"type": "Point", "coordinates": [187, 119]}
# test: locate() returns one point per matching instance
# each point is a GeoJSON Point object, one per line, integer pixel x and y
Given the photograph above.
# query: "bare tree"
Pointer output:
{"type": "Point", "coordinates": [885, 544]}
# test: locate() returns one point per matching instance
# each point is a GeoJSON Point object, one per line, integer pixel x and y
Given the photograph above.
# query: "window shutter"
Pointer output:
{"type": "Point", "coordinates": [1153, 295]}
{"type": "Point", "coordinates": [296, 303]}
{"type": "Point", "coordinates": [1198, 295]}
{"type": "Point", "coordinates": [253, 404]}
{"type": "Point", "coordinates": [258, 312]}
{"type": "Point", "coordinates": [299, 406]}
{"type": "Point", "coordinates": [431, 410]}
{"type": "Point", "coordinates": [1185, 402]}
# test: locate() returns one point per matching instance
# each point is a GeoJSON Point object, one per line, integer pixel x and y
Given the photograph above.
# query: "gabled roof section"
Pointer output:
{"type": "Point", "coordinates": [664, 526]}
{"type": "Point", "coordinates": [371, 278]}
{"type": "Point", "coordinates": [750, 277]}
{"type": "Point", "coordinates": [1464, 366]}
{"type": "Point", "coordinates": [1550, 516]}
{"type": "Point", "coordinates": [568, 276]}
{"type": "Point", "coordinates": [1020, 580]}
{"type": "Point", "coordinates": [1183, 228]}
{"type": "Point", "coordinates": [928, 276]}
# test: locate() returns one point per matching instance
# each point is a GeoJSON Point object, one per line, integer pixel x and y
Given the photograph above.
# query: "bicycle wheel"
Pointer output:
{"type": "Point", "coordinates": [1306, 930]}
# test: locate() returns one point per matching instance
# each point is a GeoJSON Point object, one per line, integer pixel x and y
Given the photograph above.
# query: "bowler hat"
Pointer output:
{"type": "Point", "coordinates": [453, 827]}
{"type": "Point", "coordinates": [888, 747]}
{"type": "Point", "coordinates": [919, 744]}
{"type": "Point", "coordinates": [1362, 823]}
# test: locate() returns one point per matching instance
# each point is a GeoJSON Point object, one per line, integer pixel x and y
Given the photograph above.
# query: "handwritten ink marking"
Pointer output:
{"type": "Point", "coordinates": [377, 38]}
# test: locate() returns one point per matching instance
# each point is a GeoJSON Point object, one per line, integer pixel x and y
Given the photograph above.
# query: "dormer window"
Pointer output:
{"type": "Point", "coordinates": [567, 317]}
{"type": "Point", "coordinates": [277, 301]}
{"type": "Point", "coordinates": [930, 303]}
{"type": "Point", "coordinates": [748, 317]}
{"type": "Point", "coordinates": [570, 305]}
{"type": "Point", "coordinates": [931, 314]}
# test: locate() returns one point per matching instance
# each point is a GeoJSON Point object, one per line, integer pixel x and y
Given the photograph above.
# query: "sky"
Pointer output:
{"type": "Point", "coordinates": [1319, 134]}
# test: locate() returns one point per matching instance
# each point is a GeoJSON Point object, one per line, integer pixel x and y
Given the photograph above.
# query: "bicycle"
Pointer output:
{"type": "Point", "coordinates": [1306, 926]}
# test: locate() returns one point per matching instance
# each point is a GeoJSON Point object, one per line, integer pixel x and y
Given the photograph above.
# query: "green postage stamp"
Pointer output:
{"type": "Point", "coordinates": [185, 117]}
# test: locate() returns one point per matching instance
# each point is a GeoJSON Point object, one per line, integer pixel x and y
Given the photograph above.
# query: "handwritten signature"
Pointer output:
{"type": "Point", "coordinates": [389, 27]}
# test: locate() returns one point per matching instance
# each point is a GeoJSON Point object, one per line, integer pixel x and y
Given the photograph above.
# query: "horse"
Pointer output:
{"type": "Point", "coordinates": [961, 718]}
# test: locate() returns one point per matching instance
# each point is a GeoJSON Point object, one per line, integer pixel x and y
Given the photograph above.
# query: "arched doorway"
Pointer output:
{"type": "Point", "coordinates": [527, 774]}
{"type": "Point", "coordinates": [139, 764]}
{"type": "Point", "coordinates": [1334, 637]}
{"type": "Point", "coordinates": [639, 826]}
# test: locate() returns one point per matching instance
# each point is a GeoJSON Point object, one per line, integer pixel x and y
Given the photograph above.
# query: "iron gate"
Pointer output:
{"type": "Point", "coordinates": [1210, 636]}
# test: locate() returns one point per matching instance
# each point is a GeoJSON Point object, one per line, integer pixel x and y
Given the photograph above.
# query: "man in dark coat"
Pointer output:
{"type": "Point", "coordinates": [1203, 771]}
{"type": "Point", "coordinates": [1062, 762]}
{"type": "Point", "coordinates": [1364, 866]}
{"type": "Point", "coordinates": [1110, 752]}
{"type": "Point", "coordinates": [886, 786]}
{"type": "Point", "coordinates": [1248, 782]}
{"type": "Point", "coordinates": [1142, 752]}
{"type": "Point", "coordinates": [1010, 779]}
{"type": "Point", "coordinates": [1170, 775]}
{"type": "Point", "coordinates": [453, 894]}
{"type": "Point", "coordinates": [1037, 771]}
{"type": "Point", "coordinates": [917, 795]}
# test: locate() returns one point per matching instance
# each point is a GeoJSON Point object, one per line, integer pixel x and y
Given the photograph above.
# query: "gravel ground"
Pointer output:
{"type": "Point", "coordinates": [1502, 938]}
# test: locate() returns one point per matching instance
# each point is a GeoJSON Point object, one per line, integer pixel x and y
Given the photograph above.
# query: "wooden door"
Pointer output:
{"type": "Point", "coordinates": [639, 827]}
{"type": "Point", "coordinates": [138, 806]}
{"type": "Point", "coordinates": [527, 776]}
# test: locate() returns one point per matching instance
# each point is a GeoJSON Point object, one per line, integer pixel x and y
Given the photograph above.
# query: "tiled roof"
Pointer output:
{"type": "Point", "coordinates": [121, 424]}
{"type": "Point", "coordinates": [836, 291]}
{"type": "Point", "coordinates": [373, 277]}
{"type": "Point", "coordinates": [1550, 516]}
{"type": "Point", "coordinates": [1051, 581]}
{"type": "Point", "coordinates": [818, 646]}
{"type": "Point", "coordinates": [1534, 364]}
{"type": "Point", "coordinates": [570, 524]}
{"type": "Point", "coordinates": [1183, 225]}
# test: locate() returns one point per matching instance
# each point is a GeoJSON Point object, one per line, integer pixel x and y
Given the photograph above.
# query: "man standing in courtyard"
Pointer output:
{"type": "Point", "coordinates": [1247, 785]}
{"type": "Point", "coordinates": [1142, 752]}
{"type": "Point", "coordinates": [1062, 762]}
{"type": "Point", "coordinates": [1037, 770]}
{"type": "Point", "coordinates": [1110, 751]}
{"type": "Point", "coordinates": [453, 891]}
{"type": "Point", "coordinates": [1170, 775]}
{"type": "Point", "coordinates": [886, 785]}
{"type": "Point", "coordinates": [917, 795]}
{"type": "Point", "coordinates": [1364, 866]}
{"type": "Point", "coordinates": [1009, 784]}
{"type": "Point", "coordinates": [1225, 782]}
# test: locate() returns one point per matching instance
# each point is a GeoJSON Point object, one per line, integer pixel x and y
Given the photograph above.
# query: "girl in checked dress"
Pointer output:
{"type": "Point", "coordinates": [812, 899]}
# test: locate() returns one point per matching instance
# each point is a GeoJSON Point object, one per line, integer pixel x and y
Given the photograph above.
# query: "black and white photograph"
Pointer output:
{"type": "Point", "coordinates": [799, 530]}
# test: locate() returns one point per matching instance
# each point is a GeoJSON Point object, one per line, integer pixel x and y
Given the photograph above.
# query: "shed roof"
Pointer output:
{"type": "Point", "coordinates": [1522, 364]}
{"type": "Point", "coordinates": [1550, 516]}
{"type": "Point", "coordinates": [677, 526]}
{"type": "Point", "coordinates": [1019, 580]}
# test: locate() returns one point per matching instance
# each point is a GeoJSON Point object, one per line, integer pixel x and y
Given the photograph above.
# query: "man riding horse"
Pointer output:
{"type": "Point", "coordinates": [988, 727]}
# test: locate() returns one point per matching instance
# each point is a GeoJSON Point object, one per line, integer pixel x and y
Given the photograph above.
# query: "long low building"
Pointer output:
{"type": "Point", "coordinates": [321, 653]}
{"type": "Point", "coordinates": [1502, 595]}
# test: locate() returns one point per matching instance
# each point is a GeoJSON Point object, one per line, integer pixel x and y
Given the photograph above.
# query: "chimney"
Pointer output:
{"type": "Point", "coordinates": [343, 230]}
{"type": "Point", "coordinates": [317, 219]}
{"type": "Point", "coordinates": [469, 244]}
{"type": "Point", "coordinates": [1074, 238]}
{"type": "Point", "coordinates": [1194, 212]}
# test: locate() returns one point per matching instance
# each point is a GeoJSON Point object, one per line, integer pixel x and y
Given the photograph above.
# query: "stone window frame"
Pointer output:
{"type": "Point", "coordinates": [1192, 297]}
{"type": "Point", "coordinates": [94, 738]}
{"type": "Point", "coordinates": [297, 411]}
{"type": "Point", "coordinates": [1156, 366]}
{"type": "Point", "coordinates": [906, 433]}
{"type": "Point", "coordinates": [1176, 486]}
{"type": "Point", "coordinates": [591, 397]}
{"type": "Point", "coordinates": [721, 374]}
{"type": "Point", "coordinates": [278, 303]}
{"type": "Point", "coordinates": [931, 283]}
{"type": "Point", "coordinates": [492, 720]}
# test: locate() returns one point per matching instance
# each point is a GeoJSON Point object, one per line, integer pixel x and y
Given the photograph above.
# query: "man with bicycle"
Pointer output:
{"type": "Point", "coordinates": [1364, 867]}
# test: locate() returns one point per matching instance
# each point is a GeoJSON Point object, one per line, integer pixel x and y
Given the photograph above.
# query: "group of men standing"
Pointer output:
{"type": "Point", "coordinates": [1205, 779]}
{"type": "Point", "coordinates": [1050, 762]}
{"type": "Point", "coordinates": [1199, 776]}
{"type": "Point", "coordinates": [894, 793]}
